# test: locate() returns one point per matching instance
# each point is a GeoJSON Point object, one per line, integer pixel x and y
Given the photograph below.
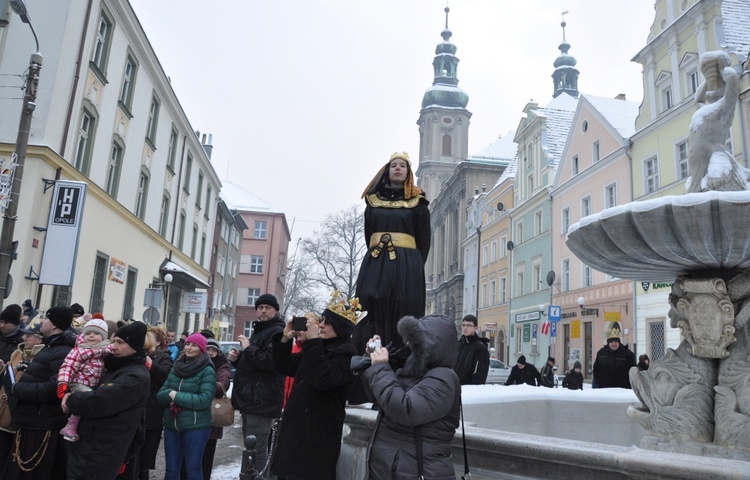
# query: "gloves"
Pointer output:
{"type": "Point", "coordinates": [62, 389]}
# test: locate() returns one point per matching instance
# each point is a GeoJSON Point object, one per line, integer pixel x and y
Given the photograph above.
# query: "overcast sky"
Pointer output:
{"type": "Point", "coordinates": [306, 99]}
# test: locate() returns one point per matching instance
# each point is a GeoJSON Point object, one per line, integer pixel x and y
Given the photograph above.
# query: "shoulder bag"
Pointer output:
{"type": "Point", "coordinates": [222, 413]}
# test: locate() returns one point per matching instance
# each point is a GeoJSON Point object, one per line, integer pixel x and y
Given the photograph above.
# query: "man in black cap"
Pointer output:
{"type": "Point", "coordinates": [524, 373]}
{"type": "Point", "coordinates": [112, 413]}
{"type": "Point", "coordinates": [258, 391]}
{"type": "Point", "coordinates": [38, 415]}
{"type": "Point", "coordinates": [10, 333]}
{"type": "Point", "coordinates": [29, 312]}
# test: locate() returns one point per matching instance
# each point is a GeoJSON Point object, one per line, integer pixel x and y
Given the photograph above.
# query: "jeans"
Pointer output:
{"type": "Point", "coordinates": [188, 444]}
{"type": "Point", "coordinates": [261, 428]}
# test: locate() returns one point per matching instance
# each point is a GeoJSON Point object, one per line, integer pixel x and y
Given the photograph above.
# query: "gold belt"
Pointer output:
{"type": "Point", "coordinates": [389, 241]}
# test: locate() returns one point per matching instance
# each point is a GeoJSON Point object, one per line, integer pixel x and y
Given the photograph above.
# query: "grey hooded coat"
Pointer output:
{"type": "Point", "coordinates": [425, 394]}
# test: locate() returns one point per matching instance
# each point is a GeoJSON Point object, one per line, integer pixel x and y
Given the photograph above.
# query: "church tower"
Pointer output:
{"type": "Point", "coordinates": [443, 120]}
{"type": "Point", "coordinates": [565, 76]}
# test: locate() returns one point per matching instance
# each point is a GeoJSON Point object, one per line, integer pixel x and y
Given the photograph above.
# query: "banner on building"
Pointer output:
{"type": "Point", "coordinates": [575, 329]}
{"type": "Point", "coordinates": [63, 232]}
{"type": "Point", "coordinates": [117, 269]}
{"type": "Point", "coordinates": [612, 316]}
{"type": "Point", "coordinates": [7, 168]}
{"type": "Point", "coordinates": [194, 302]}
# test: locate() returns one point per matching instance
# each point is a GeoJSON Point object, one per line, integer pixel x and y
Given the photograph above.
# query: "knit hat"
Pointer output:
{"type": "Point", "coordinates": [576, 365]}
{"type": "Point", "coordinates": [11, 314]}
{"type": "Point", "coordinates": [61, 317]}
{"type": "Point", "coordinates": [207, 333]}
{"type": "Point", "coordinates": [97, 325]}
{"type": "Point", "coordinates": [77, 309]}
{"type": "Point", "coordinates": [198, 340]}
{"type": "Point", "coordinates": [26, 303]}
{"type": "Point", "coordinates": [213, 343]}
{"type": "Point", "coordinates": [134, 334]}
{"type": "Point", "coordinates": [267, 299]}
{"type": "Point", "coordinates": [521, 360]}
{"type": "Point", "coordinates": [98, 315]}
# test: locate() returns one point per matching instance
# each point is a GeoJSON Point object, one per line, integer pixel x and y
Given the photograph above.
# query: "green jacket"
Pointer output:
{"type": "Point", "coordinates": [194, 395]}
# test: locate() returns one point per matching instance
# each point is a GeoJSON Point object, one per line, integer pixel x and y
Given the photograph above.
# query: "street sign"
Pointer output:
{"type": "Point", "coordinates": [554, 313]}
{"type": "Point", "coordinates": [151, 316]}
{"type": "Point", "coordinates": [553, 330]}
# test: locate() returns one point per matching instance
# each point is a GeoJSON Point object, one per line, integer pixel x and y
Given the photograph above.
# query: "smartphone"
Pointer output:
{"type": "Point", "coordinates": [374, 345]}
{"type": "Point", "coordinates": [299, 324]}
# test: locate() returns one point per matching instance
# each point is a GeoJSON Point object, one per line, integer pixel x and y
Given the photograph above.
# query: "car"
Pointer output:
{"type": "Point", "coordinates": [498, 373]}
{"type": "Point", "coordinates": [226, 347]}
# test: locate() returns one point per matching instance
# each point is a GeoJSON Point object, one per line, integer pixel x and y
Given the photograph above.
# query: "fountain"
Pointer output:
{"type": "Point", "coordinates": [696, 399]}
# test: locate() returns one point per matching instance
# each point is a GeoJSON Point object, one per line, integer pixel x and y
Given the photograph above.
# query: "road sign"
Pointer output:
{"type": "Point", "coordinates": [151, 316]}
{"type": "Point", "coordinates": [553, 330]}
{"type": "Point", "coordinates": [554, 313]}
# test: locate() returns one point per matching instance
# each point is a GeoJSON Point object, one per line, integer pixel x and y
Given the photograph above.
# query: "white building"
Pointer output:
{"type": "Point", "coordinates": [106, 115]}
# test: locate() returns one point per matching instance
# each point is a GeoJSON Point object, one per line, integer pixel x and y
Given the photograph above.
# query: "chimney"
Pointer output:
{"type": "Point", "coordinates": [620, 97]}
{"type": "Point", "coordinates": [207, 147]}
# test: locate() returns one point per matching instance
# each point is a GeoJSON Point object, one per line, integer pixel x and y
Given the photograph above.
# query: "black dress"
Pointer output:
{"type": "Point", "coordinates": [389, 289]}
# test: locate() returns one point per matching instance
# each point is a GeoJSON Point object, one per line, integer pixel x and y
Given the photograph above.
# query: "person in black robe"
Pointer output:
{"type": "Point", "coordinates": [391, 281]}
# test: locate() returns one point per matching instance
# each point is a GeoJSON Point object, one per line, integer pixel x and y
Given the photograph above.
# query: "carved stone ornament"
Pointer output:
{"type": "Point", "coordinates": [706, 317]}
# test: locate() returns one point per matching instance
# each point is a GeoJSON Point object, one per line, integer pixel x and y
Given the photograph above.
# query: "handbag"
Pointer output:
{"type": "Point", "coordinates": [222, 412]}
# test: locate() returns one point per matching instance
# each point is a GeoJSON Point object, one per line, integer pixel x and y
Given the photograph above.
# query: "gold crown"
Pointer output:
{"type": "Point", "coordinates": [612, 333]}
{"type": "Point", "coordinates": [349, 309]}
{"type": "Point", "coordinates": [401, 155]}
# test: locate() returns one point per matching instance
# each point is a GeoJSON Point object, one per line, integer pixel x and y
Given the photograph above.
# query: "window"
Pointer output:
{"type": "Point", "coordinates": [565, 220]}
{"type": "Point", "coordinates": [203, 249]}
{"type": "Point", "coordinates": [194, 244]}
{"type": "Point", "coordinates": [181, 237]}
{"type": "Point", "coordinates": [256, 264]}
{"type": "Point", "coordinates": [128, 82]}
{"type": "Point", "coordinates": [692, 82]}
{"type": "Point", "coordinates": [493, 293]}
{"type": "Point", "coordinates": [530, 184]}
{"type": "Point", "coordinates": [519, 340]}
{"type": "Point", "coordinates": [538, 223]}
{"type": "Point", "coordinates": [128, 309]}
{"type": "Point", "coordinates": [493, 251]}
{"type": "Point", "coordinates": [207, 211]}
{"type": "Point", "coordinates": [484, 294]}
{"type": "Point", "coordinates": [164, 216]}
{"type": "Point", "coordinates": [503, 290]}
{"type": "Point", "coordinates": [97, 285]}
{"type": "Point", "coordinates": [198, 197]}
{"type": "Point", "coordinates": [596, 154]}
{"type": "Point", "coordinates": [519, 280]}
{"type": "Point", "coordinates": [259, 231]}
{"type": "Point", "coordinates": [519, 233]}
{"type": "Point", "coordinates": [188, 172]}
{"type": "Point", "coordinates": [252, 295]}
{"type": "Point", "coordinates": [585, 206]}
{"type": "Point", "coordinates": [503, 246]}
{"type": "Point", "coordinates": [446, 145]}
{"type": "Point", "coordinates": [565, 280]}
{"type": "Point", "coordinates": [248, 328]}
{"type": "Point", "coordinates": [141, 196]}
{"type": "Point", "coordinates": [666, 99]}
{"type": "Point", "coordinates": [85, 142]}
{"type": "Point", "coordinates": [172, 153]}
{"type": "Point", "coordinates": [536, 276]}
{"type": "Point", "coordinates": [682, 163]}
{"type": "Point", "coordinates": [485, 254]}
{"type": "Point", "coordinates": [610, 195]}
{"type": "Point", "coordinates": [574, 164]}
{"type": "Point", "coordinates": [587, 276]}
{"type": "Point", "coordinates": [651, 167]}
{"type": "Point", "coordinates": [153, 120]}
{"type": "Point", "coordinates": [113, 170]}
{"type": "Point", "coordinates": [101, 45]}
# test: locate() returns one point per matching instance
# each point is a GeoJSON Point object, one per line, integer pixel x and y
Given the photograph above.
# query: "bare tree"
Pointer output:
{"type": "Point", "coordinates": [300, 293]}
{"type": "Point", "coordinates": [338, 249]}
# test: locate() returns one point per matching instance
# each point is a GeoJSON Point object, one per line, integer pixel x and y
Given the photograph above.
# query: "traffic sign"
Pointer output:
{"type": "Point", "coordinates": [553, 330]}
{"type": "Point", "coordinates": [554, 313]}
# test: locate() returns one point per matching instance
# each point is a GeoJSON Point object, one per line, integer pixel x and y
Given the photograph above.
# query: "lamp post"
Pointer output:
{"type": "Point", "coordinates": [14, 173]}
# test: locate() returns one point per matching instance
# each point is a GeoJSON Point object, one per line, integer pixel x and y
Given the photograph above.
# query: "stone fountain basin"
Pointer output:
{"type": "Point", "coordinates": [660, 239]}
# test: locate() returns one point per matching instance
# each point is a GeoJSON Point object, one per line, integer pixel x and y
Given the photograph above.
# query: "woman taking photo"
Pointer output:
{"type": "Point", "coordinates": [391, 281]}
{"type": "Point", "coordinates": [188, 391]}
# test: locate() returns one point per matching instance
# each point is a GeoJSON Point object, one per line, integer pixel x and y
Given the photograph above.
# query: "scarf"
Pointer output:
{"type": "Point", "coordinates": [185, 368]}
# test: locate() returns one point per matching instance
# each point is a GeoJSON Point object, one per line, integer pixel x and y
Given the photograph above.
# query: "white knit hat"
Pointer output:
{"type": "Point", "coordinates": [98, 326]}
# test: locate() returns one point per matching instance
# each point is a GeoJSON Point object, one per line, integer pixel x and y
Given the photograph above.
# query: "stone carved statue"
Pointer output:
{"type": "Point", "coordinates": [705, 315]}
{"type": "Point", "coordinates": [710, 165]}
{"type": "Point", "coordinates": [677, 396]}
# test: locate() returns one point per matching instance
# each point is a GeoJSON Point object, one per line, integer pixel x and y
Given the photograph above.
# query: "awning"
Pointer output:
{"type": "Point", "coordinates": [181, 278]}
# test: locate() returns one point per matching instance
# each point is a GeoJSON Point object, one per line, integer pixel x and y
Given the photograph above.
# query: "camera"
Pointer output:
{"type": "Point", "coordinates": [374, 345]}
{"type": "Point", "coordinates": [22, 366]}
{"type": "Point", "coordinates": [299, 324]}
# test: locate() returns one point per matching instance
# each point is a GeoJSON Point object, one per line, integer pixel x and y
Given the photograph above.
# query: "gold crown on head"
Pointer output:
{"type": "Point", "coordinates": [612, 333]}
{"type": "Point", "coordinates": [348, 308]}
{"type": "Point", "coordinates": [401, 155]}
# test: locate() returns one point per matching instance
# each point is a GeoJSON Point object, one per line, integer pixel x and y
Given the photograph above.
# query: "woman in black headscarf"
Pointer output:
{"type": "Point", "coordinates": [391, 282]}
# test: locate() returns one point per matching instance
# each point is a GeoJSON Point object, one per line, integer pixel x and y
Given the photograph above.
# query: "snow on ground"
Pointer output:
{"type": "Point", "coordinates": [477, 394]}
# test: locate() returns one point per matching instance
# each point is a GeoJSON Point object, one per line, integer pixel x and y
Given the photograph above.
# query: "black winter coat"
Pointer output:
{"type": "Point", "coordinates": [573, 380]}
{"type": "Point", "coordinates": [8, 345]}
{"type": "Point", "coordinates": [528, 375]}
{"type": "Point", "coordinates": [424, 394]}
{"type": "Point", "coordinates": [612, 367]}
{"type": "Point", "coordinates": [314, 414]}
{"type": "Point", "coordinates": [161, 365]}
{"type": "Point", "coordinates": [110, 416]}
{"type": "Point", "coordinates": [38, 407]}
{"type": "Point", "coordinates": [473, 361]}
{"type": "Point", "coordinates": [548, 376]}
{"type": "Point", "coordinates": [258, 388]}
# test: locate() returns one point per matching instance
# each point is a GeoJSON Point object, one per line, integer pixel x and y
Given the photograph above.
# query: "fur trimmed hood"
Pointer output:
{"type": "Point", "coordinates": [432, 340]}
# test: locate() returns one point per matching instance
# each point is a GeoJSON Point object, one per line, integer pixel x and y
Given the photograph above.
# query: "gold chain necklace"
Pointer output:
{"type": "Point", "coordinates": [37, 456]}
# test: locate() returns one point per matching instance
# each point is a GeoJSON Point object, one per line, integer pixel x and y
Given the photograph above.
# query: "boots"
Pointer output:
{"type": "Point", "coordinates": [70, 431]}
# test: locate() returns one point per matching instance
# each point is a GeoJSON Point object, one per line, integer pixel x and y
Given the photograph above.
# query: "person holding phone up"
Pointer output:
{"type": "Point", "coordinates": [310, 433]}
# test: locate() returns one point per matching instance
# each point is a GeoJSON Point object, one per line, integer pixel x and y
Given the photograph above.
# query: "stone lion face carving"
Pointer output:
{"type": "Point", "coordinates": [677, 400]}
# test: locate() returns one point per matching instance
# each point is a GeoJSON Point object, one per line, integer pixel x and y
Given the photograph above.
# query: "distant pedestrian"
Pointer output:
{"type": "Point", "coordinates": [524, 373]}
{"type": "Point", "coordinates": [473, 362]}
{"type": "Point", "coordinates": [643, 362]}
{"type": "Point", "coordinates": [10, 331]}
{"type": "Point", "coordinates": [29, 312]}
{"type": "Point", "coordinates": [574, 378]}
{"type": "Point", "coordinates": [613, 363]}
{"type": "Point", "coordinates": [548, 373]}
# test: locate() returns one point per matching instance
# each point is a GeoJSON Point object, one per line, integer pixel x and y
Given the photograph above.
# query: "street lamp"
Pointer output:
{"type": "Point", "coordinates": [12, 174]}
